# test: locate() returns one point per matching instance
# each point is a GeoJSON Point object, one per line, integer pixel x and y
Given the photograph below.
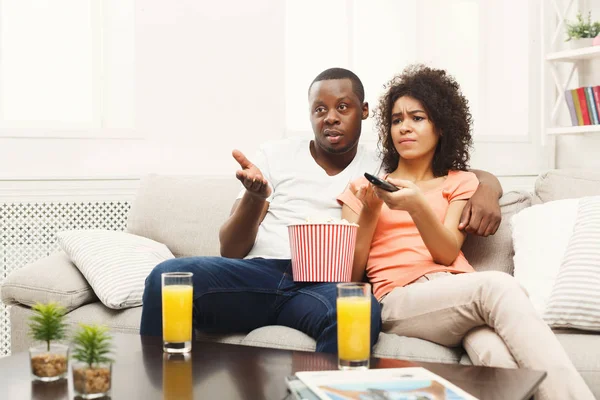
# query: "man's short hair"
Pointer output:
{"type": "Point", "coordinates": [341, 73]}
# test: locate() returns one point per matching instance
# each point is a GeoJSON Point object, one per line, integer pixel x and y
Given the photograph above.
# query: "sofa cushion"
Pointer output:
{"type": "Point", "coordinates": [390, 345]}
{"type": "Point", "coordinates": [496, 252]}
{"type": "Point", "coordinates": [115, 264]}
{"type": "Point", "coordinates": [575, 299]}
{"type": "Point", "coordinates": [540, 235]}
{"type": "Point", "coordinates": [566, 184]}
{"type": "Point", "coordinates": [583, 348]}
{"type": "Point", "coordinates": [231, 338]}
{"type": "Point", "coordinates": [121, 321]}
{"type": "Point", "coordinates": [280, 337]}
{"type": "Point", "coordinates": [50, 279]}
{"type": "Point", "coordinates": [20, 340]}
{"type": "Point", "coordinates": [183, 212]}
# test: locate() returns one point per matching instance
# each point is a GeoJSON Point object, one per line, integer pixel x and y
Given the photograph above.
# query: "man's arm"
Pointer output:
{"type": "Point", "coordinates": [238, 233]}
{"type": "Point", "coordinates": [489, 180]}
{"type": "Point", "coordinates": [481, 215]}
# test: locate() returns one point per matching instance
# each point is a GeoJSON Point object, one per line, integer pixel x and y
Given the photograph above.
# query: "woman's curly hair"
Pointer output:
{"type": "Point", "coordinates": [446, 107]}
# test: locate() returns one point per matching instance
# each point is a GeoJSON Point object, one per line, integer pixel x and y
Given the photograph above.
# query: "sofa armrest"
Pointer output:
{"type": "Point", "coordinates": [53, 278]}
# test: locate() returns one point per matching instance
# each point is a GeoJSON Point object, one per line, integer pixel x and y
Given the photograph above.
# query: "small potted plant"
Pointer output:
{"type": "Point", "coordinates": [93, 367]}
{"type": "Point", "coordinates": [581, 33]}
{"type": "Point", "coordinates": [49, 361]}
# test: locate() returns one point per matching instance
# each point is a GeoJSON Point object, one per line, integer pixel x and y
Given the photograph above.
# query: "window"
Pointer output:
{"type": "Point", "coordinates": [67, 68]}
{"type": "Point", "coordinates": [488, 46]}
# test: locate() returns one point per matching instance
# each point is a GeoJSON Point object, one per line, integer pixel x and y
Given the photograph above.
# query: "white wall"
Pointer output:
{"type": "Point", "coordinates": [209, 78]}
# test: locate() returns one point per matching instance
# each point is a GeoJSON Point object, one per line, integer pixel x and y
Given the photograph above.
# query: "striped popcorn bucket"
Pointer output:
{"type": "Point", "coordinates": [322, 252]}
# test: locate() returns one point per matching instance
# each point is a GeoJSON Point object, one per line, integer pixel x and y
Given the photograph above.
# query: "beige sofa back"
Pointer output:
{"type": "Point", "coordinates": [186, 212]}
{"type": "Point", "coordinates": [183, 212]}
{"type": "Point", "coordinates": [496, 252]}
{"type": "Point", "coordinates": [566, 184]}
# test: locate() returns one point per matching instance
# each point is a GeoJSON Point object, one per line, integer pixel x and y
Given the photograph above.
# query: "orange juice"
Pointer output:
{"type": "Point", "coordinates": [177, 379]}
{"type": "Point", "coordinates": [354, 328]}
{"type": "Point", "coordinates": [177, 313]}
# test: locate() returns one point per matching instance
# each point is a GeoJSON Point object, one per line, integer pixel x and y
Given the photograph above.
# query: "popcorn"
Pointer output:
{"type": "Point", "coordinates": [329, 220]}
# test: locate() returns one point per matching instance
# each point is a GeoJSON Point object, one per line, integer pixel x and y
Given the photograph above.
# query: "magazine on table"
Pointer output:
{"type": "Point", "coordinates": [381, 384]}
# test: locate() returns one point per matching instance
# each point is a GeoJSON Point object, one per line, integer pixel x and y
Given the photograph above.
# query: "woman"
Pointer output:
{"type": "Point", "coordinates": [409, 243]}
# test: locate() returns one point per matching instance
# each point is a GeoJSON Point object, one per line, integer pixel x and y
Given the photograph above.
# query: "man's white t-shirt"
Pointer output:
{"type": "Point", "coordinates": [301, 190]}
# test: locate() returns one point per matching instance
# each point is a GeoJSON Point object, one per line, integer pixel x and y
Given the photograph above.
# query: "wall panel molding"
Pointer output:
{"type": "Point", "coordinates": [36, 190]}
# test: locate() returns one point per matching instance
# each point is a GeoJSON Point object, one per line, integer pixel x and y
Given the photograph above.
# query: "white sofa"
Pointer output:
{"type": "Point", "coordinates": [185, 213]}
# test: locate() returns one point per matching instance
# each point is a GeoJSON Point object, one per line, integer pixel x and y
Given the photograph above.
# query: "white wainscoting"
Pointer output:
{"type": "Point", "coordinates": [57, 189]}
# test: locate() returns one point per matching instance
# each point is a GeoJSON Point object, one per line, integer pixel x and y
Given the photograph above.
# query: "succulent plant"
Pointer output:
{"type": "Point", "coordinates": [92, 345]}
{"type": "Point", "coordinates": [47, 323]}
{"type": "Point", "coordinates": [582, 29]}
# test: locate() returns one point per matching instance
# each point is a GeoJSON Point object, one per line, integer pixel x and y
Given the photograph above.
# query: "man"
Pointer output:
{"type": "Point", "coordinates": [290, 180]}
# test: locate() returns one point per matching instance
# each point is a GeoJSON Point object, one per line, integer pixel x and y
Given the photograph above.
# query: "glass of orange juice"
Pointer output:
{"type": "Point", "coordinates": [177, 296]}
{"type": "Point", "coordinates": [354, 325]}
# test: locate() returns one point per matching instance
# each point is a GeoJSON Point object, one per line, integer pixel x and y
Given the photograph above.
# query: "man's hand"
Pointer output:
{"type": "Point", "coordinates": [251, 177]}
{"type": "Point", "coordinates": [481, 215]}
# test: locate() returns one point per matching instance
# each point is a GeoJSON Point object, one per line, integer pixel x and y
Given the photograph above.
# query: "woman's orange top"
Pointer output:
{"type": "Point", "coordinates": [398, 255]}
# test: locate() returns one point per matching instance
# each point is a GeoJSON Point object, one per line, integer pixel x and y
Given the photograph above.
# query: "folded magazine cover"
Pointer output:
{"type": "Point", "coordinates": [381, 384]}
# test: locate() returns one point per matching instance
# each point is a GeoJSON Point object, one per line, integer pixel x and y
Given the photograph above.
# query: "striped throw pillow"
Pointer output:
{"type": "Point", "coordinates": [575, 298]}
{"type": "Point", "coordinates": [115, 264]}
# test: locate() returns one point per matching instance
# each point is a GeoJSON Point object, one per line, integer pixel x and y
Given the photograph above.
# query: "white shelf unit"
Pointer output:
{"type": "Point", "coordinates": [558, 70]}
{"type": "Point", "coordinates": [585, 53]}
{"type": "Point", "coordinates": [572, 130]}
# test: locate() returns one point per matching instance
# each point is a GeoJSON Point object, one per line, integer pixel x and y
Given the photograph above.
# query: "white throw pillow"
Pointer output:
{"type": "Point", "coordinates": [575, 298]}
{"type": "Point", "coordinates": [115, 264]}
{"type": "Point", "coordinates": [540, 237]}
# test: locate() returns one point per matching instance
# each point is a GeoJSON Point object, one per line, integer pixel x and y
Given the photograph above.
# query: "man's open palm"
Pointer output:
{"type": "Point", "coordinates": [250, 176]}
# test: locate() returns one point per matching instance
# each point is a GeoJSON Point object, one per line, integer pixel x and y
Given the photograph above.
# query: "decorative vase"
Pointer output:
{"type": "Point", "coordinates": [92, 383]}
{"type": "Point", "coordinates": [579, 43]}
{"type": "Point", "coordinates": [49, 364]}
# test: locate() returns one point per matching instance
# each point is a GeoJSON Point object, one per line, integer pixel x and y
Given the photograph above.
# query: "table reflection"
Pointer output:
{"type": "Point", "coordinates": [177, 377]}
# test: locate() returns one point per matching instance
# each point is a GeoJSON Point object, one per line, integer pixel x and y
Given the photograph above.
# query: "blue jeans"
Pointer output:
{"type": "Point", "coordinates": [233, 295]}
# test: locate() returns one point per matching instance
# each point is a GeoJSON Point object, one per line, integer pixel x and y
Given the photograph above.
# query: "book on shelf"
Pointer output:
{"type": "Point", "coordinates": [584, 105]}
{"type": "Point", "coordinates": [384, 383]}
{"type": "Point", "coordinates": [596, 93]}
{"type": "Point", "coordinates": [577, 106]}
{"type": "Point", "coordinates": [589, 97]}
{"type": "Point", "coordinates": [571, 105]}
